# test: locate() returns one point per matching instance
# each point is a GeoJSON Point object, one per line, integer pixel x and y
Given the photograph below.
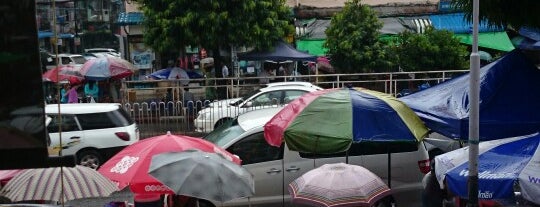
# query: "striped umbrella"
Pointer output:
{"type": "Point", "coordinates": [45, 184]}
{"type": "Point", "coordinates": [338, 185]}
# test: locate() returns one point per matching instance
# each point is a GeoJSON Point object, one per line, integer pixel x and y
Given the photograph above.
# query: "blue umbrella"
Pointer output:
{"type": "Point", "coordinates": [502, 163]}
{"type": "Point", "coordinates": [171, 74]}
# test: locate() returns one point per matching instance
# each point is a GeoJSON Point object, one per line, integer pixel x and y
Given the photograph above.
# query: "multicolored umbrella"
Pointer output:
{"type": "Point", "coordinates": [129, 167]}
{"type": "Point", "coordinates": [502, 164]}
{"type": "Point", "coordinates": [44, 184]}
{"type": "Point", "coordinates": [61, 73]}
{"type": "Point", "coordinates": [107, 67]}
{"type": "Point", "coordinates": [329, 121]}
{"type": "Point", "coordinates": [338, 185]}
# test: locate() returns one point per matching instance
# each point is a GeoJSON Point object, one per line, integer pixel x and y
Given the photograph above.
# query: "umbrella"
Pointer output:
{"type": "Point", "coordinates": [485, 56]}
{"type": "Point", "coordinates": [64, 73]}
{"type": "Point", "coordinates": [171, 74]}
{"type": "Point", "coordinates": [129, 167]}
{"type": "Point", "coordinates": [202, 175]}
{"type": "Point", "coordinates": [338, 185]}
{"type": "Point", "coordinates": [6, 175]}
{"type": "Point", "coordinates": [107, 67]}
{"type": "Point", "coordinates": [501, 164]}
{"type": "Point", "coordinates": [329, 121]}
{"type": "Point", "coordinates": [44, 184]}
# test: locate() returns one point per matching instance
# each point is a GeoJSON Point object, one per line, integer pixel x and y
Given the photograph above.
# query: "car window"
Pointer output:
{"type": "Point", "coordinates": [365, 148]}
{"type": "Point", "coordinates": [225, 133]}
{"type": "Point", "coordinates": [291, 95]}
{"type": "Point", "coordinates": [65, 60]}
{"type": "Point", "coordinates": [268, 98]}
{"type": "Point", "coordinates": [79, 59]}
{"type": "Point", "coordinates": [255, 149]}
{"type": "Point", "coordinates": [112, 119]}
{"type": "Point", "coordinates": [68, 123]}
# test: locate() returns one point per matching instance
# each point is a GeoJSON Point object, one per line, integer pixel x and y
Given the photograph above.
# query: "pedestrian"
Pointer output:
{"type": "Point", "coordinates": [91, 91]}
{"type": "Point", "coordinates": [63, 93]}
{"type": "Point", "coordinates": [432, 194]}
{"type": "Point", "coordinates": [222, 83]}
{"type": "Point", "coordinates": [73, 95]}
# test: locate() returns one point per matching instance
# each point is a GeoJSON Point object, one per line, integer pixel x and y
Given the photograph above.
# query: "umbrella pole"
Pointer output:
{"type": "Point", "coordinates": [389, 169]}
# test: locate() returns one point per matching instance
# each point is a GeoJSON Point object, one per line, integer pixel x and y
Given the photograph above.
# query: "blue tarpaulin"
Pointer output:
{"type": "Point", "coordinates": [281, 52]}
{"type": "Point", "coordinates": [509, 101]}
{"type": "Point", "coordinates": [44, 34]}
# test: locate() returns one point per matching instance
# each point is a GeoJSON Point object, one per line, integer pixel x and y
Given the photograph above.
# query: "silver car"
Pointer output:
{"type": "Point", "coordinates": [274, 168]}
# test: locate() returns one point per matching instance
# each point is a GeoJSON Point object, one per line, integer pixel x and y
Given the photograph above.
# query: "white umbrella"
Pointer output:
{"type": "Point", "coordinates": [45, 184]}
{"type": "Point", "coordinates": [179, 73]}
{"type": "Point", "coordinates": [202, 175]}
{"type": "Point", "coordinates": [338, 185]}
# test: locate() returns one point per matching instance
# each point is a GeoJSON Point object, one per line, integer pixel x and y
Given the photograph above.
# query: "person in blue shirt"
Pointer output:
{"type": "Point", "coordinates": [91, 90]}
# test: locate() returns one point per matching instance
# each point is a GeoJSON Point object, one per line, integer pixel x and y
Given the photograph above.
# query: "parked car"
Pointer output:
{"type": "Point", "coordinates": [274, 168]}
{"type": "Point", "coordinates": [100, 52]}
{"type": "Point", "coordinates": [67, 59]}
{"type": "Point", "coordinates": [93, 132]}
{"type": "Point", "coordinates": [274, 94]}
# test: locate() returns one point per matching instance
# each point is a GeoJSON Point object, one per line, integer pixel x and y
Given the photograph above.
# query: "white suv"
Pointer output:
{"type": "Point", "coordinates": [274, 94]}
{"type": "Point", "coordinates": [93, 132]}
{"type": "Point", "coordinates": [274, 168]}
{"type": "Point", "coordinates": [100, 52]}
{"type": "Point", "coordinates": [67, 59]}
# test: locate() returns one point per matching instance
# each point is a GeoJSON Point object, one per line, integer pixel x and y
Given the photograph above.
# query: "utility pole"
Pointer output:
{"type": "Point", "coordinates": [474, 94]}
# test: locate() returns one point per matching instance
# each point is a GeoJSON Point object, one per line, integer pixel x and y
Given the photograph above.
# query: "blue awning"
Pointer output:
{"type": "Point", "coordinates": [45, 34]}
{"type": "Point", "coordinates": [130, 18]}
{"type": "Point", "coordinates": [457, 23]}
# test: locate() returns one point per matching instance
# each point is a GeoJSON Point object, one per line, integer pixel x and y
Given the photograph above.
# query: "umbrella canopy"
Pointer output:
{"type": "Point", "coordinates": [171, 74]}
{"type": "Point", "coordinates": [129, 167]}
{"type": "Point", "coordinates": [107, 67]}
{"type": "Point", "coordinates": [330, 120]}
{"type": "Point", "coordinates": [44, 184]}
{"type": "Point", "coordinates": [337, 185]}
{"type": "Point", "coordinates": [6, 175]}
{"type": "Point", "coordinates": [61, 73]}
{"type": "Point", "coordinates": [501, 163]}
{"type": "Point", "coordinates": [202, 175]}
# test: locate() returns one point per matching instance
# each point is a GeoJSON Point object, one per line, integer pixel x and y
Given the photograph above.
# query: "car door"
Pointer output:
{"type": "Point", "coordinates": [70, 130]}
{"type": "Point", "coordinates": [264, 162]}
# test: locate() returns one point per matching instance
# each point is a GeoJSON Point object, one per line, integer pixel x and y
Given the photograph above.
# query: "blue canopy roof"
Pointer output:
{"type": "Point", "coordinates": [130, 18]}
{"type": "Point", "coordinates": [45, 34]}
{"type": "Point", "coordinates": [509, 101]}
{"type": "Point", "coordinates": [281, 52]}
{"type": "Point", "coordinates": [457, 23]}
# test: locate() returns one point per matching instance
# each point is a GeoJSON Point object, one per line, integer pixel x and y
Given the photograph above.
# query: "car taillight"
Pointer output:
{"type": "Point", "coordinates": [424, 166]}
{"type": "Point", "coordinates": [122, 135]}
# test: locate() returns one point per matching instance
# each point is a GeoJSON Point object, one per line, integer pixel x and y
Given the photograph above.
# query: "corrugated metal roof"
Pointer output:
{"type": "Point", "coordinates": [457, 23]}
{"type": "Point", "coordinates": [130, 18]}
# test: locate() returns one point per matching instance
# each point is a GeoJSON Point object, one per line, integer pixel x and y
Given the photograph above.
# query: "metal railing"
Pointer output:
{"type": "Point", "coordinates": [158, 105]}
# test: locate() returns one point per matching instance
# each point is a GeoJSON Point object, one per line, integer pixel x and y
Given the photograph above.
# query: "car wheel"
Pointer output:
{"type": "Point", "coordinates": [221, 122]}
{"type": "Point", "coordinates": [89, 158]}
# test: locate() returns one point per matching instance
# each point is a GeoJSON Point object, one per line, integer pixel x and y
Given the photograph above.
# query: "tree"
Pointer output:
{"type": "Point", "coordinates": [173, 24]}
{"type": "Point", "coordinates": [432, 50]}
{"type": "Point", "coordinates": [504, 12]}
{"type": "Point", "coordinates": [352, 38]}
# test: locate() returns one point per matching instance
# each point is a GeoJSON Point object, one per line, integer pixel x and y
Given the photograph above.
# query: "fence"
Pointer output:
{"type": "Point", "coordinates": [160, 105]}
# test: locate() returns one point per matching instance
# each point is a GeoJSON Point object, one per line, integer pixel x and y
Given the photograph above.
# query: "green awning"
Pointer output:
{"type": "Point", "coordinates": [313, 47]}
{"type": "Point", "coordinates": [493, 40]}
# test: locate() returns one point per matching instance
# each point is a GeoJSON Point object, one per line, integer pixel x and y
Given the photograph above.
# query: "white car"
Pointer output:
{"type": "Point", "coordinates": [274, 168]}
{"type": "Point", "coordinates": [219, 112]}
{"type": "Point", "coordinates": [93, 132]}
{"type": "Point", "coordinates": [66, 59]}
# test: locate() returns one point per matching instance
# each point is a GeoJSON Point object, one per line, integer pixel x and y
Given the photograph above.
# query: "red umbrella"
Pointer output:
{"type": "Point", "coordinates": [129, 167]}
{"type": "Point", "coordinates": [64, 73]}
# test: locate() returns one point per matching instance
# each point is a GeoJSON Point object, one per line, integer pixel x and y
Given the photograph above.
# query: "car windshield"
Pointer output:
{"type": "Point", "coordinates": [225, 133]}
{"type": "Point", "coordinates": [246, 97]}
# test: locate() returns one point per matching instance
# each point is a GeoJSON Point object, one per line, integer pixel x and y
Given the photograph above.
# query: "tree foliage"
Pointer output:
{"type": "Point", "coordinates": [504, 12]}
{"type": "Point", "coordinates": [172, 24]}
{"type": "Point", "coordinates": [432, 50]}
{"type": "Point", "coordinates": [352, 39]}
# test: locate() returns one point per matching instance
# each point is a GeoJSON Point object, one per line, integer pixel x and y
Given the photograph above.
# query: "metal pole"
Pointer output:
{"type": "Point", "coordinates": [474, 93]}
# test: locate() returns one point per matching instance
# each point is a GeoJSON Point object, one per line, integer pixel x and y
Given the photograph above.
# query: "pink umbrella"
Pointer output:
{"type": "Point", "coordinates": [64, 73]}
{"type": "Point", "coordinates": [6, 175]}
{"type": "Point", "coordinates": [129, 167]}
